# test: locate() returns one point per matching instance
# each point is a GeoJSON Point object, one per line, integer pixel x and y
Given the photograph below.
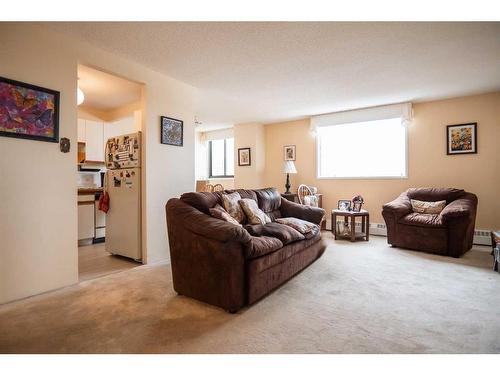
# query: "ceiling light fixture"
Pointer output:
{"type": "Point", "coordinates": [80, 96]}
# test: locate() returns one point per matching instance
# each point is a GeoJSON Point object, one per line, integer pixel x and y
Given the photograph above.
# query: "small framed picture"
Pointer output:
{"type": "Point", "coordinates": [28, 111]}
{"type": "Point", "coordinates": [344, 205]}
{"type": "Point", "coordinates": [289, 152]}
{"type": "Point", "coordinates": [171, 131]}
{"type": "Point", "coordinates": [244, 157]}
{"type": "Point", "coordinates": [461, 139]}
{"type": "Point", "coordinates": [356, 206]}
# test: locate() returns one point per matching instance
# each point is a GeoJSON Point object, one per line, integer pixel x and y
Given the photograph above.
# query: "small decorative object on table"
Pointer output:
{"type": "Point", "coordinates": [344, 205]}
{"type": "Point", "coordinates": [357, 202]}
{"type": "Point", "coordinates": [244, 157]}
{"type": "Point", "coordinates": [495, 244]}
{"type": "Point", "coordinates": [171, 131]}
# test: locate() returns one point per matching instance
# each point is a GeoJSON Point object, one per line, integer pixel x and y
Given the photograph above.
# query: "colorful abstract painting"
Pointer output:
{"type": "Point", "coordinates": [461, 139]}
{"type": "Point", "coordinates": [28, 111]}
{"type": "Point", "coordinates": [171, 131]}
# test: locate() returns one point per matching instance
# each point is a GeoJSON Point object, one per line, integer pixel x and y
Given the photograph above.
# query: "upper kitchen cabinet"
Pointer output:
{"type": "Point", "coordinates": [94, 141]}
{"type": "Point", "coordinates": [122, 126]}
{"type": "Point", "coordinates": [81, 130]}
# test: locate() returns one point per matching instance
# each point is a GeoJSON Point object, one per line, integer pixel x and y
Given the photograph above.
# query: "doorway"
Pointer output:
{"type": "Point", "coordinates": [110, 114]}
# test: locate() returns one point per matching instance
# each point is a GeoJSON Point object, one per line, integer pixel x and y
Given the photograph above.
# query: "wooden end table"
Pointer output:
{"type": "Point", "coordinates": [352, 235]}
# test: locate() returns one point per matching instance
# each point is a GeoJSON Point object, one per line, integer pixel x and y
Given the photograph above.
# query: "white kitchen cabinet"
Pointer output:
{"type": "Point", "coordinates": [86, 223]}
{"type": "Point", "coordinates": [123, 126]}
{"type": "Point", "coordinates": [81, 130]}
{"type": "Point", "coordinates": [94, 141]}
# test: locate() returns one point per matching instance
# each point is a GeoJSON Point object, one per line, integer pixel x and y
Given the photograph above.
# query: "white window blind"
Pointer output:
{"type": "Point", "coordinates": [367, 143]}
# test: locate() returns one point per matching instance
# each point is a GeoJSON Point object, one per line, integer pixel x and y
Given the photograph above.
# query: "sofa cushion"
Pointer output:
{"type": "Point", "coordinates": [220, 213]}
{"type": "Point", "coordinates": [254, 214]}
{"type": "Point", "coordinates": [423, 207]}
{"type": "Point", "coordinates": [232, 206]}
{"type": "Point", "coordinates": [302, 226]}
{"type": "Point", "coordinates": [282, 232]}
{"type": "Point", "coordinates": [422, 220]}
{"type": "Point", "coordinates": [269, 200]}
{"type": "Point", "coordinates": [261, 264]}
{"type": "Point", "coordinates": [435, 194]}
{"type": "Point", "coordinates": [260, 246]}
{"type": "Point", "coordinates": [203, 201]}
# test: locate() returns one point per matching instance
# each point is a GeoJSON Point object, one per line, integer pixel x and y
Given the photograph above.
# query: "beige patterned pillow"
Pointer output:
{"type": "Point", "coordinates": [254, 214]}
{"type": "Point", "coordinates": [302, 226]}
{"type": "Point", "coordinates": [423, 207]}
{"type": "Point", "coordinates": [220, 213]}
{"type": "Point", "coordinates": [232, 207]}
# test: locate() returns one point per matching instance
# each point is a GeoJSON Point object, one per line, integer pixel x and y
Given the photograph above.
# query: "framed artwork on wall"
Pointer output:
{"type": "Point", "coordinates": [461, 139]}
{"type": "Point", "coordinates": [171, 131]}
{"type": "Point", "coordinates": [28, 111]}
{"type": "Point", "coordinates": [244, 157]}
{"type": "Point", "coordinates": [289, 152]}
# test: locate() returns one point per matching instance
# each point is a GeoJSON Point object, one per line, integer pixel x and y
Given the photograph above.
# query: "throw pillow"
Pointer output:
{"type": "Point", "coordinates": [232, 207]}
{"type": "Point", "coordinates": [302, 226]}
{"type": "Point", "coordinates": [220, 213]}
{"type": "Point", "coordinates": [254, 214]}
{"type": "Point", "coordinates": [282, 232]}
{"type": "Point", "coordinates": [311, 200]}
{"type": "Point", "coordinates": [423, 207]}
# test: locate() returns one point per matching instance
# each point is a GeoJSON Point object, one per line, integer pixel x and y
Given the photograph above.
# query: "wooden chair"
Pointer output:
{"type": "Point", "coordinates": [209, 188]}
{"type": "Point", "coordinates": [302, 191]}
{"type": "Point", "coordinates": [218, 187]}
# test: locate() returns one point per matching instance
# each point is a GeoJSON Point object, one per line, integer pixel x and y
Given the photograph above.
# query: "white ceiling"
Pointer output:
{"type": "Point", "coordinates": [105, 91]}
{"type": "Point", "coordinates": [268, 72]}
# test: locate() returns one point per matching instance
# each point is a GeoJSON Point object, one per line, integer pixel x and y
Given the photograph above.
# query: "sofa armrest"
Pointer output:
{"type": "Point", "coordinates": [308, 213]}
{"type": "Point", "coordinates": [400, 206]}
{"type": "Point", "coordinates": [460, 208]}
{"type": "Point", "coordinates": [205, 225]}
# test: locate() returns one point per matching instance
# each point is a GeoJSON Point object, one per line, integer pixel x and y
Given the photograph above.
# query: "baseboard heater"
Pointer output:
{"type": "Point", "coordinates": [481, 236]}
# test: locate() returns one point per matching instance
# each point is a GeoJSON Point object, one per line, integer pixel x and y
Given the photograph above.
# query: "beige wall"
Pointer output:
{"type": "Point", "coordinates": [38, 222]}
{"type": "Point", "coordinates": [428, 163]}
{"type": "Point", "coordinates": [253, 136]}
{"type": "Point", "coordinates": [127, 110]}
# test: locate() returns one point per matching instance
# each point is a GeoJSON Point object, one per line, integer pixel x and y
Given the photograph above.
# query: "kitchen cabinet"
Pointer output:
{"type": "Point", "coordinates": [81, 130]}
{"type": "Point", "coordinates": [86, 223]}
{"type": "Point", "coordinates": [94, 141]}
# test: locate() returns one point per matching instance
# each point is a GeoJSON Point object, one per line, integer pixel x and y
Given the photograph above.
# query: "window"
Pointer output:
{"type": "Point", "coordinates": [368, 149]}
{"type": "Point", "coordinates": [221, 157]}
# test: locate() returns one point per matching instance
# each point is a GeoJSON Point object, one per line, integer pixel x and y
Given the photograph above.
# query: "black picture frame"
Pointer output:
{"type": "Point", "coordinates": [244, 163]}
{"type": "Point", "coordinates": [286, 152]}
{"type": "Point", "coordinates": [167, 123]}
{"type": "Point", "coordinates": [472, 140]}
{"type": "Point", "coordinates": [356, 206]}
{"type": "Point", "coordinates": [54, 115]}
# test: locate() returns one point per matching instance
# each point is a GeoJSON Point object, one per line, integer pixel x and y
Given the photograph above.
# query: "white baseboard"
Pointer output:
{"type": "Point", "coordinates": [481, 236]}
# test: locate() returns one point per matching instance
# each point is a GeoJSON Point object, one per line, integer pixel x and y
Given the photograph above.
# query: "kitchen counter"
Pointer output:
{"type": "Point", "coordinates": [90, 191]}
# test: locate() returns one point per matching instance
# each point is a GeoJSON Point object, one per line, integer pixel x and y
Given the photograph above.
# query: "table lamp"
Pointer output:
{"type": "Point", "coordinates": [288, 167]}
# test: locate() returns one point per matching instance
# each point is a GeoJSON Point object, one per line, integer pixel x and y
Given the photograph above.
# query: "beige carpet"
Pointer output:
{"type": "Point", "coordinates": [358, 298]}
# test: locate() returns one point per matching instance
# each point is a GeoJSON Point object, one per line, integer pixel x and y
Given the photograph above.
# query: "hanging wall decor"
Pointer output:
{"type": "Point", "coordinates": [461, 139]}
{"type": "Point", "coordinates": [171, 131]}
{"type": "Point", "coordinates": [28, 111]}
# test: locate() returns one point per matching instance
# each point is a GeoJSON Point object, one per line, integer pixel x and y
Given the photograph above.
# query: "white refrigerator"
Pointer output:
{"type": "Point", "coordinates": [123, 184]}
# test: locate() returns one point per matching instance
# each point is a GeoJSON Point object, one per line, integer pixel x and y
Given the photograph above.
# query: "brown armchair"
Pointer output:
{"type": "Point", "coordinates": [448, 233]}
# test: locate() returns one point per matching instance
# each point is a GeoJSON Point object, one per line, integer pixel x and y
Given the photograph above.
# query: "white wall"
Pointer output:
{"type": "Point", "coordinates": [38, 222]}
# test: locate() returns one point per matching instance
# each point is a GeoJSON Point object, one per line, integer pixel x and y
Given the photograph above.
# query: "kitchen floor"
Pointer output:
{"type": "Point", "coordinates": [94, 261]}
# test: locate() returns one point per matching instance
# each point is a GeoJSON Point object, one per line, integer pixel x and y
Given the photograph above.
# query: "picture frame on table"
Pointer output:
{"type": "Point", "coordinates": [244, 157]}
{"type": "Point", "coordinates": [461, 139]}
{"type": "Point", "coordinates": [28, 111]}
{"type": "Point", "coordinates": [344, 205]}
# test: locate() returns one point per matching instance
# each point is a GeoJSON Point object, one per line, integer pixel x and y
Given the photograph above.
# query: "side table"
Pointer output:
{"type": "Point", "coordinates": [352, 234]}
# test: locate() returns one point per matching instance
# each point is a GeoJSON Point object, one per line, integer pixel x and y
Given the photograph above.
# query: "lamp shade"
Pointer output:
{"type": "Point", "coordinates": [80, 96]}
{"type": "Point", "coordinates": [289, 167]}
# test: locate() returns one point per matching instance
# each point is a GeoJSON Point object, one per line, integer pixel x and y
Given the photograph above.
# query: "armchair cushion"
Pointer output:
{"type": "Point", "coordinates": [400, 206]}
{"type": "Point", "coordinates": [463, 207]}
{"type": "Point", "coordinates": [422, 220]}
{"type": "Point", "coordinates": [435, 194]}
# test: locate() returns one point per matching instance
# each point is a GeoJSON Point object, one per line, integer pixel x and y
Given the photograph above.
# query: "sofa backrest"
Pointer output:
{"type": "Point", "coordinates": [268, 200]}
{"type": "Point", "coordinates": [435, 194]}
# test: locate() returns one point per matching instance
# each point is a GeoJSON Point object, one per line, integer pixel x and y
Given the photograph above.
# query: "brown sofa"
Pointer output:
{"type": "Point", "coordinates": [231, 266]}
{"type": "Point", "coordinates": [449, 233]}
